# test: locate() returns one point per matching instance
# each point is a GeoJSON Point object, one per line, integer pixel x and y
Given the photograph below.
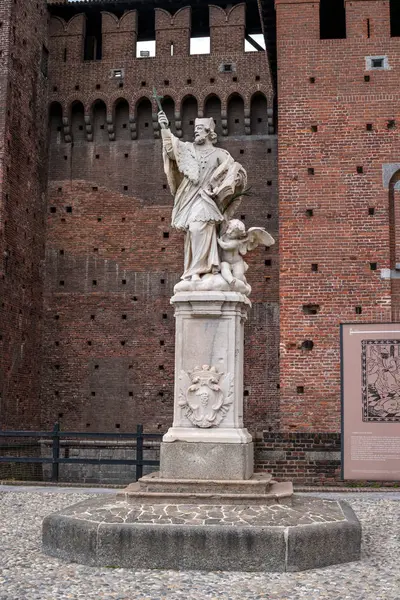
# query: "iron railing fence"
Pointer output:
{"type": "Point", "coordinates": [56, 435]}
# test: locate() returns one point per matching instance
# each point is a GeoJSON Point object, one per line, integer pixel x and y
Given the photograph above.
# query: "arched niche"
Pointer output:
{"type": "Point", "coordinates": [394, 240]}
{"type": "Point", "coordinates": [189, 115]}
{"type": "Point", "coordinates": [99, 120]}
{"type": "Point", "coordinates": [78, 122]}
{"type": "Point", "coordinates": [121, 119]}
{"type": "Point", "coordinates": [212, 108]}
{"type": "Point", "coordinates": [259, 114]}
{"type": "Point", "coordinates": [169, 108]}
{"type": "Point", "coordinates": [55, 123]}
{"type": "Point", "coordinates": [236, 115]}
{"type": "Point", "coordinates": [144, 120]}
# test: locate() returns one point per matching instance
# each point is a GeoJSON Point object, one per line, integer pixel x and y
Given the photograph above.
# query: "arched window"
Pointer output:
{"type": "Point", "coordinates": [144, 120]}
{"type": "Point", "coordinates": [212, 108]}
{"type": "Point", "coordinates": [99, 117]}
{"type": "Point", "coordinates": [258, 114]}
{"type": "Point", "coordinates": [169, 108]}
{"type": "Point", "coordinates": [78, 123]}
{"type": "Point", "coordinates": [122, 130]}
{"type": "Point", "coordinates": [189, 114]}
{"type": "Point", "coordinates": [235, 115]}
{"type": "Point", "coordinates": [55, 123]}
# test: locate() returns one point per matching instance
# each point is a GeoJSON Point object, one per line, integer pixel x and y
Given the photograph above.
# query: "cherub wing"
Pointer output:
{"type": "Point", "coordinates": [258, 236]}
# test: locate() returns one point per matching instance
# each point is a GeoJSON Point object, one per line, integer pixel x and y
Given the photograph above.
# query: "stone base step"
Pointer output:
{"type": "Point", "coordinates": [277, 493]}
{"type": "Point", "coordinates": [258, 484]}
{"type": "Point", "coordinates": [104, 532]}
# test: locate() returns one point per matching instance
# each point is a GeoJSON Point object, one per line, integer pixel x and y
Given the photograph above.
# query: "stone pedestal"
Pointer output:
{"type": "Point", "coordinates": [207, 439]}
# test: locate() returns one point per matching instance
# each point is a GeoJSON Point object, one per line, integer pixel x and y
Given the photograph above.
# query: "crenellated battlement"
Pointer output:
{"type": "Point", "coordinates": [107, 36]}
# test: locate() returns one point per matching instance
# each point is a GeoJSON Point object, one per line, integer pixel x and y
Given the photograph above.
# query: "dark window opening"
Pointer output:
{"type": "Point", "coordinates": [332, 19]}
{"type": "Point", "coordinates": [307, 345]}
{"type": "Point", "coordinates": [45, 61]}
{"type": "Point", "coordinates": [93, 39]}
{"type": "Point", "coordinates": [395, 18]}
{"type": "Point", "coordinates": [311, 309]}
{"type": "Point", "coordinates": [377, 63]}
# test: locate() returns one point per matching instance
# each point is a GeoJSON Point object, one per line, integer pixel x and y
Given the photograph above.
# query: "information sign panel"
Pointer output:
{"type": "Point", "coordinates": [370, 364]}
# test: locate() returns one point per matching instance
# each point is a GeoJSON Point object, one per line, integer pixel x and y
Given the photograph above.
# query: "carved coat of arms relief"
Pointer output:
{"type": "Point", "coordinates": [205, 395]}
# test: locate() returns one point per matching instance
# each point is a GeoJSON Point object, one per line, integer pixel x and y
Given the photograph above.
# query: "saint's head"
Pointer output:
{"type": "Point", "coordinates": [204, 131]}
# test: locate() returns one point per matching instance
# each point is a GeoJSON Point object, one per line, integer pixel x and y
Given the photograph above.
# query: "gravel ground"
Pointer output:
{"type": "Point", "coordinates": [27, 574]}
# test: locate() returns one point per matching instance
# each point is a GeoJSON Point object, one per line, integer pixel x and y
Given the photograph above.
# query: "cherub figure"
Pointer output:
{"type": "Point", "coordinates": [234, 244]}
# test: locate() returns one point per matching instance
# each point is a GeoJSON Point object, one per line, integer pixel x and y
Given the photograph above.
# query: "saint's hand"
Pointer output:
{"type": "Point", "coordinates": [163, 119]}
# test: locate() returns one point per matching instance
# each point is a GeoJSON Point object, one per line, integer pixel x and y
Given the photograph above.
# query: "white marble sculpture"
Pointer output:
{"type": "Point", "coordinates": [207, 184]}
{"type": "Point", "coordinates": [234, 244]}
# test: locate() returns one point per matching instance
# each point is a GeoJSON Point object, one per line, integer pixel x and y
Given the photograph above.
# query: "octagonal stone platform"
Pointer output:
{"type": "Point", "coordinates": [305, 533]}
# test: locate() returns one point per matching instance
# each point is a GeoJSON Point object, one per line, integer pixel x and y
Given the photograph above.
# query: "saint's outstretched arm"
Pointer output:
{"type": "Point", "coordinates": [166, 134]}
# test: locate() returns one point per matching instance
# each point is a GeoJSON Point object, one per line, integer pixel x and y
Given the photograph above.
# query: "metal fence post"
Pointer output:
{"type": "Point", "coordinates": [56, 452]}
{"type": "Point", "coordinates": [139, 452]}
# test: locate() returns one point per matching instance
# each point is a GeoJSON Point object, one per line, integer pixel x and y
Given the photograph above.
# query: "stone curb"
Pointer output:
{"type": "Point", "coordinates": [268, 548]}
{"type": "Point", "coordinates": [61, 484]}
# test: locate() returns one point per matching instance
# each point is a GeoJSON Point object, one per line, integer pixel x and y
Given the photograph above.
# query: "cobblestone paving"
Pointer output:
{"type": "Point", "coordinates": [301, 511]}
{"type": "Point", "coordinates": [27, 574]}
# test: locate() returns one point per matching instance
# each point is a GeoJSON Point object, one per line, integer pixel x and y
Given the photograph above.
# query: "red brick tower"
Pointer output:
{"type": "Point", "coordinates": [339, 151]}
{"type": "Point", "coordinates": [23, 126]}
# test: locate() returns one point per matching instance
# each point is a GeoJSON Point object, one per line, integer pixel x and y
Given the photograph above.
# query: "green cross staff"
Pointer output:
{"type": "Point", "coordinates": [158, 99]}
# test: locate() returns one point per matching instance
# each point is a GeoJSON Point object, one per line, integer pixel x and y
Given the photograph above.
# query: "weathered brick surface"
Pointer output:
{"type": "Point", "coordinates": [23, 126]}
{"type": "Point", "coordinates": [305, 458]}
{"type": "Point", "coordinates": [112, 258]}
{"type": "Point", "coordinates": [341, 237]}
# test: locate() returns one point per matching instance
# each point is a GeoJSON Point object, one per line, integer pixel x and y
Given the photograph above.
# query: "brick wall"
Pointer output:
{"type": "Point", "coordinates": [304, 458]}
{"type": "Point", "coordinates": [112, 259]}
{"type": "Point", "coordinates": [336, 132]}
{"type": "Point", "coordinates": [23, 124]}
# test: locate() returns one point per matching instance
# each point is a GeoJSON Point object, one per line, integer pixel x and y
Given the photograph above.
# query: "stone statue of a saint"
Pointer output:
{"type": "Point", "coordinates": [206, 183]}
